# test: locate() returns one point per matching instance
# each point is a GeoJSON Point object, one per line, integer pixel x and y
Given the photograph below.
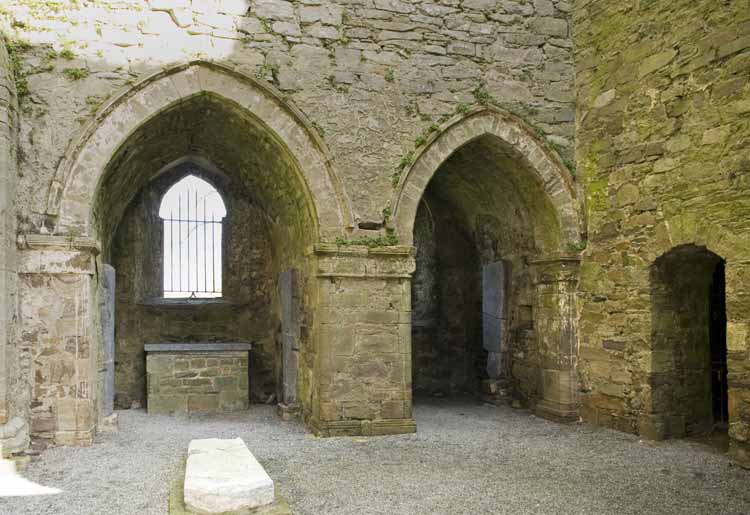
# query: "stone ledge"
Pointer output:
{"type": "Point", "coordinates": [197, 347]}
{"type": "Point", "coordinates": [160, 302]}
{"type": "Point", "coordinates": [333, 249]}
{"type": "Point", "coordinates": [57, 242]}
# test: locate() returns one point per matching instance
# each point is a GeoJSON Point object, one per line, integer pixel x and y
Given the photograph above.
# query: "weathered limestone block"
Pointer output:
{"type": "Point", "coordinates": [14, 436]}
{"type": "Point", "coordinates": [223, 476]}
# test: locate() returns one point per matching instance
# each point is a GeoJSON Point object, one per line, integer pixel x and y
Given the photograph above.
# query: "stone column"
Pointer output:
{"type": "Point", "coordinates": [555, 282]}
{"type": "Point", "coordinates": [362, 377]}
{"type": "Point", "coordinates": [60, 325]}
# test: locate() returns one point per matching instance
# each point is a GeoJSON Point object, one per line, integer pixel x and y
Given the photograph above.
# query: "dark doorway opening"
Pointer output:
{"type": "Point", "coordinates": [689, 344]}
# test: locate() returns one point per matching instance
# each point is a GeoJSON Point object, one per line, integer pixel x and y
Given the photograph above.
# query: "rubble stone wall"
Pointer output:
{"type": "Point", "coordinates": [663, 147]}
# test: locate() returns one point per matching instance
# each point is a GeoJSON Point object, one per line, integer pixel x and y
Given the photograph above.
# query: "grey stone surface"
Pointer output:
{"type": "Point", "coordinates": [197, 347]}
{"type": "Point", "coordinates": [288, 288]}
{"type": "Point", "coordinates": [500, 461]}
{"type": "Point", "coordinates": [108, 337]}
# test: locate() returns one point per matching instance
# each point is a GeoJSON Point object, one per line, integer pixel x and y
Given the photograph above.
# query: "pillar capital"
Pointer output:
{"type": "Point", "coordinates": [56, 254]}
{"type": "Point", "coordinates": [555, 269]}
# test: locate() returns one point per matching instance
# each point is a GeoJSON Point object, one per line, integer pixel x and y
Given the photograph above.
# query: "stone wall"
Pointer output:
{"type": "Point", "coordinates": [336, 101]}
{"type": "Point", "coordinates": [663, 146]}
{"type": "Point", "coordinates": [197, 382]}
{"type": "Point", "coordinates": [247, 310]}
{"type": "Point", "coordinates": [362, 71]}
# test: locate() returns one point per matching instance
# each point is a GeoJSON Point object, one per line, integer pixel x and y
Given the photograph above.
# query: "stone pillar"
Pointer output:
{"type": "Point", "coordinates": [362, 377]}
{"type": "Point", "coordinates": [555, 282]}
{"type": "Point", "coordinates": [738, 359]}
{"type": "Point", "coordinates": [60, 325]}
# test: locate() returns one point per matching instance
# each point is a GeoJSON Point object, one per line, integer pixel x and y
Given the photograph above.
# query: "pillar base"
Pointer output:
{"type": "Point", "coordinates": [556, 411]}
{"type": "Point", "coordinates": [661, 427]}
{"type": "Point", "coordinates": [287, 411]}
{"type": "Point", "coordinates": [739, 453]}
{"type": "Point", "coordinates": [380, 427]}
{"type": "Point", "coordinates": [75, 438]}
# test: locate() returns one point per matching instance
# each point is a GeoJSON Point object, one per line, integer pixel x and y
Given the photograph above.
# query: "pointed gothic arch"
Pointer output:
{"type": "Point", "coordinates": [547, 168]}
{"type": "Point", "coordinates": [77, 179]}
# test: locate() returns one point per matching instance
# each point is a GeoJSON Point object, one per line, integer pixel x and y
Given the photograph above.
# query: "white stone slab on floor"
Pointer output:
{"type": "Point", "coordinates": [223, 475]}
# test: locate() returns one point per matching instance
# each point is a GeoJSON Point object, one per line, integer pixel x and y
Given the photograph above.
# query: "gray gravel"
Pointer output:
{"type": "Point", "coordinates": [467, 458]}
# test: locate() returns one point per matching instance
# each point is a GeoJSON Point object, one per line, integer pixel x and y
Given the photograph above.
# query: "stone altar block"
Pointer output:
{"type": "Point", "coordinates": [197, 377]}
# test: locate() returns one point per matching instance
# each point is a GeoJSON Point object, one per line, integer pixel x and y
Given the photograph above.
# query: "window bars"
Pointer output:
{"type": "Point", "coordinates": [192, 241]}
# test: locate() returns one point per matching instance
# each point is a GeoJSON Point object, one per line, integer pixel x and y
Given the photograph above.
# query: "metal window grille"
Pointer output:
{"type": "Point", "coordinates": [192, 242]}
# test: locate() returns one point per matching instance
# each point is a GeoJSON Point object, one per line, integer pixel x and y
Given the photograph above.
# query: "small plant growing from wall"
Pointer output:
{"type": "Point", "coordinates": [577, 247]}
{"type": "Point", "coordinates": [14, 55]}
{"type": "Point", "coordinates": [68, 54]}
{"type": "Point", "coordinates": [76, 73]}
{"type": "Point", "coordinates": [389, 240]}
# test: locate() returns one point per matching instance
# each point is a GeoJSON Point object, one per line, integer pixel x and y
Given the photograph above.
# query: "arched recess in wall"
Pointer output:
{"type": "Point", "coordinates": [688, 378]}
{"type": "Point", "coordinates": [519, 142]}
{"type": "Point", "coordinates": [72, 198]}
{"type": "Point", "coordinates": [494, 217]}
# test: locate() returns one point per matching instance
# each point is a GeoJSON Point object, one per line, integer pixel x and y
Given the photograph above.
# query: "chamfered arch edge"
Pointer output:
{"type": "Point", "coordinates": [128, 110]}
{"type": "Point", "coordinates": [461, 129]}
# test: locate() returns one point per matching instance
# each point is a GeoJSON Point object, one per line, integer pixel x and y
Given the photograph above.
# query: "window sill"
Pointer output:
{"type": "Point", "coordinates": [187, 303]}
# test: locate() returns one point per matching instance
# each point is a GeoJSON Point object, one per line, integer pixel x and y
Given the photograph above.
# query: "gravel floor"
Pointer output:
{"type": "Point", "coordinates": [467, 458]}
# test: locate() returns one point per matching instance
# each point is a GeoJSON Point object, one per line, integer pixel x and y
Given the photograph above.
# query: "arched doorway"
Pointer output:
{"type": "Point", "coordinates": [495, 222]}
{"type": "Point", "coordinates": [688, 342]}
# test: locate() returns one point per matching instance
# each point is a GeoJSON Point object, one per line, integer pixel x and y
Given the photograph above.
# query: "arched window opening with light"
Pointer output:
{"type": "Point", "coordinates": [192, 212]}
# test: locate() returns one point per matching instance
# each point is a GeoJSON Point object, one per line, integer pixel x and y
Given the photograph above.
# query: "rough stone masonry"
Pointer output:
{"type": "Point", "coordinates": [382, 152]}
